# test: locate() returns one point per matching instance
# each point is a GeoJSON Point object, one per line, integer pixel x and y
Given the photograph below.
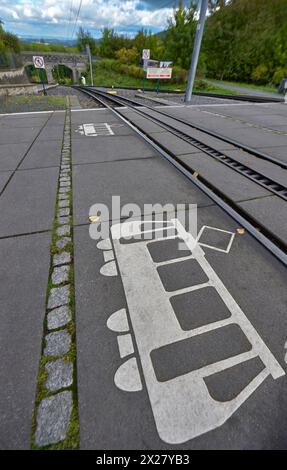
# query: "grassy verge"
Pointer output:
{"type": "Point", "coordinates": [71, 440]}
{"type": "Point", "coordinates": [103, 77]}
{"type": "Point", "coordinates": [269, 89]}
{"type": "Point", "coordinates": [12, 104]}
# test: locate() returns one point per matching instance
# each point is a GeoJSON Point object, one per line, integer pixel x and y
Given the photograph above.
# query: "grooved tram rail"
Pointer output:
{"type": "Point", "coordinates": [262, 233]}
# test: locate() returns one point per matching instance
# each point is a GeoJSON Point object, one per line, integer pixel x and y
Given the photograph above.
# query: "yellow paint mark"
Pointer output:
{"type": "Point", "coordinates": [94, 218]}
{"type": "Point", "coordinates": [240, 231]}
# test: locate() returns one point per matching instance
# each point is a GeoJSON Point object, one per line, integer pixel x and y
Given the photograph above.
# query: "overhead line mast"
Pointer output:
{"type": "Point", "coordinates": [196, 50]}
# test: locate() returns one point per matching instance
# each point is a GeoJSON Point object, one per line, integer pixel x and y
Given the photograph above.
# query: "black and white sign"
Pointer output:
{"type": "Point", "coordinates": [146, 54]}
{"type": "Point", "coordinates": [149, 63]}
{"type": "Point", "coordinates": [38, 62]}
{"type": "Point", "coordinates": [165, 64]}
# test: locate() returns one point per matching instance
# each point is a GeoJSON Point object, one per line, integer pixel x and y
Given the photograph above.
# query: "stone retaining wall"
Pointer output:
{"type": "Point", "coordinates": [23, 89]}
{"type": "Point", "coordinates": [13, 77]}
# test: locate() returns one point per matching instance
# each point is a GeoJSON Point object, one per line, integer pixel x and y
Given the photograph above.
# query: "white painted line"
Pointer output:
{"type": "Point", "coordinates": [108, 255]}
{"type": "Point", "coordinates": [30, 112]}
{"type": "Point", "coordinates": [118, 321]}
{"type": "Point", "coordinates": [88, 109]}
{"type": "Point", "coordinates": [109, 269]}
{"type": "Point", "coordinates": [245, 123]}
{"type": "Point", "coordinates": [104, 244]}
{"type": "Point", "coordinates": [96, 109]}
{"type": "Point", "coordinates": [229, 104]}
{"type": "Point", "coordinates": [207, 227]}
{"type": "Point", "coordinates": [125, 345]}
{"type": "Point", "coordinates": [171, 106]}
{"type": "Point", "coordinates": [95, 129]}
{"type": "Point", "coordinates": [127, 377]}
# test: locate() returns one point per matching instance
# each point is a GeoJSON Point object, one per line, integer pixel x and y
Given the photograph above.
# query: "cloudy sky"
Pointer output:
{"type": "Point", "coordinates": [56, 18]}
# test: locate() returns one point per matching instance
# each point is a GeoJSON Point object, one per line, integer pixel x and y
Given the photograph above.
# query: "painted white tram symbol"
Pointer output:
{"type": "Point", "coordinates": [97, 129]}
{"type": "Point", "coordinates": [182, 405]}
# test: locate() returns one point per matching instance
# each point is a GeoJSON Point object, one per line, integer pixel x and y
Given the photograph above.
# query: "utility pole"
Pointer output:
{"type": "Point", "coordinates": [196, 49]}
{"type": "Point", "coordinates": [91, 65]}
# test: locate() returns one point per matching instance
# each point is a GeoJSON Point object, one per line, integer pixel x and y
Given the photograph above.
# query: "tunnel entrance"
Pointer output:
{"type": "Point", "coordinates": [62, 74]}
{"type": "Point", "coordinates": [36, 75]}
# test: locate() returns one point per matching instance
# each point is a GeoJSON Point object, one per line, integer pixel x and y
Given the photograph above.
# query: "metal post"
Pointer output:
{"type": "Point", "coordinates": [90, 61]}
{"type": "Point", "coordinates": [196, 50]}
{"type": "Point", "coordinates": [42, 81]}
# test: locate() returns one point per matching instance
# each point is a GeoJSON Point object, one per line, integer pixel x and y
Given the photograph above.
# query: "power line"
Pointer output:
{"type": "Point", "coordinates": [70, 18]}
{"type": "Point", "coordinates": [78, 12]}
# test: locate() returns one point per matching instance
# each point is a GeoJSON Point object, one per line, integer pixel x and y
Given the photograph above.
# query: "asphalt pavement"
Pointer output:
{"type": "Point", "coordinates": [175, 348]}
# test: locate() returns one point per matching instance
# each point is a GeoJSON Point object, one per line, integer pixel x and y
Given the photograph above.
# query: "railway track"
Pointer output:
{"type": "Point", "coordinates": [275, 186]}
{"type": "Point", "coordinates": [225, 96]}
{"type": "Point", "coordinates": [161, 113]}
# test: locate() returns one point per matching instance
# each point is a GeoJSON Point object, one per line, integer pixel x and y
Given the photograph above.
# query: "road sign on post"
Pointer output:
{"type": "Point", "coordinates": [39, 63]}
{"type": "Point", "coordinates": [149, 63]}
{"type": "Point", "coordinates": [146, 54]}
{"type": "Point", "coordinates": [159, 72]}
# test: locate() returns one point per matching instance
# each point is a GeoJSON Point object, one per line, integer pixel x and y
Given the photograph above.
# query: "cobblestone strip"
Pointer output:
{"type": "Point", "coordinates": [55, 420]}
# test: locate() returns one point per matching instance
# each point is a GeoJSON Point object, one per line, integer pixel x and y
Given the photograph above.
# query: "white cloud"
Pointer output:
{"type": "Point", "coordinates": [94, 14]}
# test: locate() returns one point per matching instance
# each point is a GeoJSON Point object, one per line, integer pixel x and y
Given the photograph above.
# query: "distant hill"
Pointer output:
{"type": "Point", "coordinates": [161, 35]}
{"type": "Point", "coordinates": [60, 41]}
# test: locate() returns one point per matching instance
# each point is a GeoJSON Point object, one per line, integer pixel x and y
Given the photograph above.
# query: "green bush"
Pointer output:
{"type": "Point", "coordinates": [179, 75]}
{"type": "Point", "coordinates": [201, 85]}
{"type": "Point", "coordinates": [260, 74]}
{"type": "Point", "coordinates": [278, 75]}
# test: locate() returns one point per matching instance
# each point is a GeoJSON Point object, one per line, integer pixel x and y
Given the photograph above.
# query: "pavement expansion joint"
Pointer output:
{"type": "Point", "coordinates": [25, 234]}
{"type": "Point", "coordinates": [55, 418]}
{"type": "Point", "coordinates": [25, 155]}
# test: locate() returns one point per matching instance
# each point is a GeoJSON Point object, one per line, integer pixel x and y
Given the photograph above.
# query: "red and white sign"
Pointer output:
{"type": "Point", "coordinates": [146, 54]}
{"type": "Point", "coordinates": [157, 72]}
{"type": "Point", "coordinates": [38, 62]}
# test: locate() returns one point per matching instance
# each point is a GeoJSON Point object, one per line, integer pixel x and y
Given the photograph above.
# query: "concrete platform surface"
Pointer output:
{"type": "Point", "coordinates": [27, 202]}
{"type": "Point", "coordinates": [113, 359]}
{"type": "Point", "coordinates": [178, 346]}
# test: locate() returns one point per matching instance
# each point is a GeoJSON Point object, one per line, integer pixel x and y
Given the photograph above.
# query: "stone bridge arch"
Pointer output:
{"type": "Point", "coordinates": [76, 62]}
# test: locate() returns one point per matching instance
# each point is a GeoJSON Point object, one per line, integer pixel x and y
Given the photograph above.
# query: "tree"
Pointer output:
{"type": "Point", "coordinates": [9, 42]}
{"type": "Point", "coordinates": [85, 38]}
{"type": "Point", "coordinates": [128, 56]}
{"type": "Point", "coordinates": [145, 40]}
{"type": "Point", "coordinates": [111, 42]}
{"type": "Point", "coordinates": [180, 35]}
{"type": "Point", "coordinates": [107, 43]}
{"type": "Point", "coordinates": [246, 40]}
{"type": "Point", "coordinates": [214, 5]}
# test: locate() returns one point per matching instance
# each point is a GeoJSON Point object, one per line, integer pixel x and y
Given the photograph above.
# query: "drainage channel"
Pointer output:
{"type": "Point", "coordinates": [266, 238]}
{"type": "Point", "coordinates": [135, 105]}
{"type": "Point", "coordinates": [255, 176]}
{"type": "Point", "coordinates": [55, 418]}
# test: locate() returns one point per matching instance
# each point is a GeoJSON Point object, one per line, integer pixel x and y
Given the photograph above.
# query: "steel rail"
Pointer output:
{"type": "Point", "coordinates": [238, 97]}
{"type": "Point", "coordinates": [266, 238]}
{"type": "Point", "coordinates": [240, 146]}
{"type": "Point", "coordinates": [254, 175]}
